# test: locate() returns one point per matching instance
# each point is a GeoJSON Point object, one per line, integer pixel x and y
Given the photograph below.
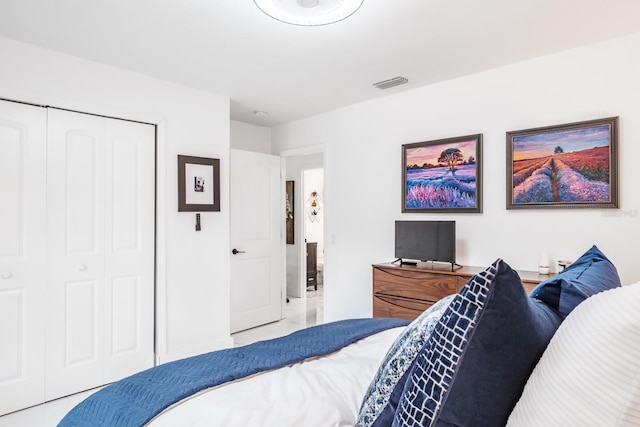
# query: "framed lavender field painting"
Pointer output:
{"type": "Point", "coordinates": [444, 175]}
{"type": "Point", "coordinates": [574, 165]}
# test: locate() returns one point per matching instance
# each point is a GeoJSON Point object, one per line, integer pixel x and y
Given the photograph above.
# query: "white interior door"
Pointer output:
{"type": "Point", "coordinates": [129, 248]}
{"type": "Point", "coordinates": [257, 219]}
{"type": "Point", "coordinates": [100, 201]}
{"type": "Point", "coordinates": [22, 255]}
{"type": "Point", "coordinates": [76, 289]}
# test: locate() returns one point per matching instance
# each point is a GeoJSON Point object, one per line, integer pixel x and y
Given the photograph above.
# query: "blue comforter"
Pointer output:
{"type": "Point", "coordinates": [135, 400]}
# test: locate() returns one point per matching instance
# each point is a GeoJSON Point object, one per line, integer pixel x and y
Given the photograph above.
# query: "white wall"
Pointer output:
{"type": "Point", "coordinates": [245, 136]}
{"type": "Point", "coordinates": [363, 162]}
{"type": "Point", "coordinates": [192, 267]}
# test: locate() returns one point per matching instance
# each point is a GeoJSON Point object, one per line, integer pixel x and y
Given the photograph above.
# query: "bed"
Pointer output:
{"type": "Point", "coordinates": [489, 355]}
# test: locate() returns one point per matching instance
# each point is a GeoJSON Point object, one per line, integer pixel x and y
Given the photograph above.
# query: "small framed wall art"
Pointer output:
{"type": "Point", "coordinates": [289, 216]}
{"type": "Point", "coordinates": [444, 175]}
{"type": "Point", "coordinates": [198, 184]}
{"type": "Point", "coordinates": [574, 165]}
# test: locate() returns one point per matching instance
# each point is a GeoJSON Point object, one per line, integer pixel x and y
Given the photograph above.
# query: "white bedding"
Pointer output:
{"type": "Point", "coordinates": [323, 392]}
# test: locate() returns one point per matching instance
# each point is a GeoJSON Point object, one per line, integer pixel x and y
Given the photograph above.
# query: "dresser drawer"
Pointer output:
{"type": "Point", "coordinates": [529, 286]}
{"type": "Point", "coordinates": [416, 285]}
{"type": "Point", "coordinates": [398, 307]}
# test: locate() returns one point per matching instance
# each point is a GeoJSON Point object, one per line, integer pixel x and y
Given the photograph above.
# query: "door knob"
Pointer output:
{"type": "Point", "coordinates": [7, 275]}
{"type": "Point", "coordinates": [82, 267]}
{"type": "Point", "coordinates": [235, 251]}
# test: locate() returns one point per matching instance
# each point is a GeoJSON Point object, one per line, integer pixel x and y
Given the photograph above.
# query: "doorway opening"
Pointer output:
{"type": "Point", "coordinates": [305, 274]}
{"type": "Point", "coordinates": [313, 232]}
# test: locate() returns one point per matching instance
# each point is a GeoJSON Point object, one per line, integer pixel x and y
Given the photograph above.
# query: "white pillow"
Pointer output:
{"type": "Point", "coordinates": [589, 375]}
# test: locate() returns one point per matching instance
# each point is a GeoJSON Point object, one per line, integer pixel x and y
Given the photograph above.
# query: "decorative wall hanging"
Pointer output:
{"type": "Point", "coordinates": [289, 211]}
{"type": "Point", "coordinates": [574, 165]}
{"type": "Point", "coordinates": [198, 184]}
{"type": "Point", "coordinates": [443, 175]}
{"type": "Point", "coordinates": [313, 207]}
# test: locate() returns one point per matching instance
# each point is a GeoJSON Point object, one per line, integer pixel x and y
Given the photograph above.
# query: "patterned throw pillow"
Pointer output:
{"type": "Point", "coordinates": [476, 362]}
{"type": "Point", "coordinates": [380, 402]}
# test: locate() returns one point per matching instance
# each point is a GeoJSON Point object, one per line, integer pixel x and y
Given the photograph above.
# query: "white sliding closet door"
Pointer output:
{"type": "Point", "coordinates": [130, 249]}
{"type": "Point", "coordinates": [100, 222]}
{"type": "Point", "coordinates": [22, 255]}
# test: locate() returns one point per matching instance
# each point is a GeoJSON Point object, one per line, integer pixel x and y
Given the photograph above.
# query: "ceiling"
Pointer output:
{"type": "Point", "coordinates": [231, 48]}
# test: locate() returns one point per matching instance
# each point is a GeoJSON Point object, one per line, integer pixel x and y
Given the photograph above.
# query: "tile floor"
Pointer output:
{"type": "Point", "coordinates": [301, 313]}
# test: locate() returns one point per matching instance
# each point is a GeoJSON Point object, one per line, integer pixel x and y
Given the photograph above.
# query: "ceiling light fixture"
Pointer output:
{"type": "Point", "coordinates": [309, 12]}
{"type": "Point", "coordinates": [261, 114]}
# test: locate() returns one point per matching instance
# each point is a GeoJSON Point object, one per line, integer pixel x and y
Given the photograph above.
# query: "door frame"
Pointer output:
{"type": "Point", "coordinates": [299, 228]}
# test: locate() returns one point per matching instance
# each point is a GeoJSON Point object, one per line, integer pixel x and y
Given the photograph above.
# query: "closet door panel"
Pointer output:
{"type": "Point", "coordinates": [12, 166]}
{"type": "Point", "coordinates": [22, 255]}
{"type": "Point", "coordinates": [81, 312]}
{"type": "Point", "coordinates": [77, 244]}
{"type": "Point", "coordinates": [76, 288]}
{"type": "Point", "coordinates": [129, 260]}
{"type": "Point", "coordinates": [83, 193]}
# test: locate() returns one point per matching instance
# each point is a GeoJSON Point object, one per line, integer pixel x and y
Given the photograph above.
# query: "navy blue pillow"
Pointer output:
{"type": "Point", "coordinates": [476, 362]}
{"type": "Point", "coordinates": [588, 275]}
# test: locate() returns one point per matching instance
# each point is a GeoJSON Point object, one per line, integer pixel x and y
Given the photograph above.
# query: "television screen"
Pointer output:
{"type": "Point", "coordinates": [426, 241]}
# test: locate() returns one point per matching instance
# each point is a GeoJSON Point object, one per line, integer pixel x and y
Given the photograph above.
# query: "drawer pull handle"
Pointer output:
{"type": "Point", "coordinates": [420, 275]}
{"type": "Point", "coordinates": [398, 302]}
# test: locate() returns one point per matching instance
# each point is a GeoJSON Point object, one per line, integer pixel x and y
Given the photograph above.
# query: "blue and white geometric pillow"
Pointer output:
{"type": "Point", "coordinates": [396, 363]}
{"type": "Point", "coordinates": [474, 367]}
{"type": "Point", "coordinates": [435, 367]}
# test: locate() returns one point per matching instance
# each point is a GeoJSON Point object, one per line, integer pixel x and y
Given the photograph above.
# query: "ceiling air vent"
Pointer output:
{"type": "Point", "coordinates": [395, 81]}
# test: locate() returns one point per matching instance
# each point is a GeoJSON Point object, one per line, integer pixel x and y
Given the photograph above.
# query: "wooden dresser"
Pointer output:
{"type": "Point", "coordinates": [405, 291]}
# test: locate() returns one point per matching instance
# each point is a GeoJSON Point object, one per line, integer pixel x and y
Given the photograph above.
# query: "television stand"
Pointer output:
{"type": "Point", "coordinates": [436, 265]}
{"type": "Point", "coordinates": [428, 264]}
{"type": "Point", "coordinates": [403, 262]}
{"type": "Point", "coordinates": [405, 291]}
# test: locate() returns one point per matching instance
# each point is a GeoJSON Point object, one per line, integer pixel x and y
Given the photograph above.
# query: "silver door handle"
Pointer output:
{"type": "Point", "coordinates": [82, 267]}
{"type": "Point", "coordinates": [7, 275]}
{"type": "Point", "coordinates": [236, 252]}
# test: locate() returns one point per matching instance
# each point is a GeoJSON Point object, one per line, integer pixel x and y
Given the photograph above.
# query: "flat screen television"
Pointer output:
{"type": "Point", "coordinates": [426, 241]}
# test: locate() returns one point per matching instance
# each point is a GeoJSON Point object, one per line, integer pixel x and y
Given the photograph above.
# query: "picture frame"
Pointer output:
{"type": "Point", "coordinates": [198, 184]}
{"type": "Point", "coordinates": [573, 165]}
{"type": "Point", "coordinates": [289, 211]}
{"type": "Point", "coordinates": [443, 175]}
